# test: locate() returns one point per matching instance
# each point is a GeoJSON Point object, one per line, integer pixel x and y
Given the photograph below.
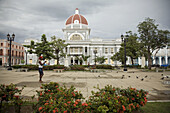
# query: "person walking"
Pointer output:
{"type": "Point", "coordinates": [40, 67]}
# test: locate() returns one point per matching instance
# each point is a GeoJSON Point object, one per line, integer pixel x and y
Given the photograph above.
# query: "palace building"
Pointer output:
{"type": "Point", "coordinates": [77, 35]}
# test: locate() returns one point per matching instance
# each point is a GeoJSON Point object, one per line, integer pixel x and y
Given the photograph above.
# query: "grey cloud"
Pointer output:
{"type": "Point", "coordinates": [107, 18]}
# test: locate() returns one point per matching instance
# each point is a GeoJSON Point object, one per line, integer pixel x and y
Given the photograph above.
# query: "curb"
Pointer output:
{"type": "Point", "coordinates": [159, 101]}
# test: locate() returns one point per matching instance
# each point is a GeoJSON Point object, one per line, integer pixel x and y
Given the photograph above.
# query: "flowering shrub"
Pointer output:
{"type": "Point", "coordinates": [52, 99]}
{"type": "Point", "coordinates": [8, 96]}
{"type": "Point", "coordinates": [111, 99]}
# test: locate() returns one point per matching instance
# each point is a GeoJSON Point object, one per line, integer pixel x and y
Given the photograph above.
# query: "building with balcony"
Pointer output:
{"type": "Point", "coordinates": [17, 53]}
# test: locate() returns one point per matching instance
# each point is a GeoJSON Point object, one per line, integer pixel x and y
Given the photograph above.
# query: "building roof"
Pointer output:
{"type": "Point", "coordinates": [81, 19]}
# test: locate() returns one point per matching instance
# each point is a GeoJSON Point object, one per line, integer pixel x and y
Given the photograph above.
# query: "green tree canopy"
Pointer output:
{"type": "Point", "coordinates": [84, 58]}
{"type": "Point", "coordinates": [152, 38]}
{"type": "Point", "coordinates": [133, 49]}
{"type": "Point", "coordinates": [58, 46]}
{"type": "Point", "coordinates": [100, 60]}
{"type": "Point", "coordinates": [42, 48]}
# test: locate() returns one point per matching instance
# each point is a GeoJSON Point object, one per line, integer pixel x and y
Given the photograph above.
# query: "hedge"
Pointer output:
{"type": "Point", "coordinates": [35, 67]}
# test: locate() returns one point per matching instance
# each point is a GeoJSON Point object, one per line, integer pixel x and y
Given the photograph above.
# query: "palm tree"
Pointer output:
{"type": "Point", "coordinates": [85, 58]}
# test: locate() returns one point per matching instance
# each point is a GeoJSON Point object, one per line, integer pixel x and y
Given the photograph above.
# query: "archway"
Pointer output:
{"type": "Point", "coordinates": [156, 60]}
{"type": "Point", "coordinates": [163, 60]}
{"type": "Point", "coordinates": [168, 60]}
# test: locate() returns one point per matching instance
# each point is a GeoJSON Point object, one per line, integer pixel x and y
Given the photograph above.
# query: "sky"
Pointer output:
{"type": "Point", "coordinates": [107, 19]}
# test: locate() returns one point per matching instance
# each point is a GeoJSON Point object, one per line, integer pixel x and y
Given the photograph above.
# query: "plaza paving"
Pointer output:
{"type": "Point", "coordinates": [85, 81]}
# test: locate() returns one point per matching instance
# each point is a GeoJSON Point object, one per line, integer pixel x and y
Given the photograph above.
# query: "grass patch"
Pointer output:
{"type": "Point", "coordinates": [155, 107]}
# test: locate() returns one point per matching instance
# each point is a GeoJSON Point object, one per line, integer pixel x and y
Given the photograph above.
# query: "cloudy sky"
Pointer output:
{"type": "Point", "coordinates": [107, 19]}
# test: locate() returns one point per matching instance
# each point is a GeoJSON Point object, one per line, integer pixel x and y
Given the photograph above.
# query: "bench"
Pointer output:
{"type": "Point", "coordinates": [160, 70]}
{"type": "Point", "coordinates": [97, 70]}
{"type": "Point", "coordinates": [58, 70]}
{"type": "Point", "coordinates": [22, 70]}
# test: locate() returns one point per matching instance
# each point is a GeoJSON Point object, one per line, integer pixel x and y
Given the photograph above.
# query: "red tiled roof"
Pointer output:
{"type": "Point", "coordinates": [78, 17]}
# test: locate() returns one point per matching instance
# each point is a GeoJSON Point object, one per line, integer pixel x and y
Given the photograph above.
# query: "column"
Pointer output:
{"type": "Point", "coordinates": [100, 50]}
{"type": "Point", "coordinates": [154, 61]}
{"type": "Point", "coordinates": [73, 60]}
{"type": "Point", "coordinates": [160, 61]}
{"type": "Point", "coordinates": [139, 60]}
{"type": "Point", "coordinates": [166, 56]}
{"type": "Point", "coordinates": [68, 50]}
{"type": "Point", "coordinates": [83, 50]}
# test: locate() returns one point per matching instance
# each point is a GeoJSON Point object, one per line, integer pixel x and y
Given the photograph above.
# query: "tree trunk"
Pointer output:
{"type": "Point", "coordinates": [58, 60]}
{"type": "Point", "coordinates": [149, 60]}
{"type": "Point", "coordinates": [132, 61]}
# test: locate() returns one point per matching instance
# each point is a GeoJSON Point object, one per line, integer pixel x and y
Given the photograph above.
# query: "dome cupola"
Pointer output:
{"type": "Point", "coordinates": [76, 19]}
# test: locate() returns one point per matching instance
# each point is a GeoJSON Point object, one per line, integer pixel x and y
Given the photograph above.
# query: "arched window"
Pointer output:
{"type": "Point", "coordinates": [76, 37]}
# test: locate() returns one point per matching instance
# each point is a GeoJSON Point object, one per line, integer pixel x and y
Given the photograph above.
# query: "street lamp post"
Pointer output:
{"type": "Point", "coordinates": [124, 39]}
{"type": "Point", "coordinates": [26, 52]}
{"type": "Point", "coordinates": [95, 52]}
{"type": "Point", "coordinates": [10, 39]}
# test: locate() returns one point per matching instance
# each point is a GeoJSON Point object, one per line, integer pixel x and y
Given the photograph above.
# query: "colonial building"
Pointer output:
{"type": "Point", "coordinates": [77, 35]}
{"type": "Point", "coordinates": [17, 53]}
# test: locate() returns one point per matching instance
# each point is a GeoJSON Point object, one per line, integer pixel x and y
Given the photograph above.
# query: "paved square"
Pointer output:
{"type": "Point", "coordinates": [85, 81]}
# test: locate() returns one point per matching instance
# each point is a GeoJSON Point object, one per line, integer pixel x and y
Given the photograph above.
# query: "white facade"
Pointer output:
{"type": "Point", "coordinates": [77, 35]}
{"type": "Point", "coordinates": [30, 58]}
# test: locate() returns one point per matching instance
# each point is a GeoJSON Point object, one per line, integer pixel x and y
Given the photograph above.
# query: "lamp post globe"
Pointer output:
{"type": "Point", "coordinates": [124, 40]}
{"type": "Point", "coordinates": [10, 39]}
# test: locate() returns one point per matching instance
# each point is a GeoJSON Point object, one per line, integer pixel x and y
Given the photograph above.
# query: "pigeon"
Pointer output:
{"type": "Point", "coordinates": [146, 76]}
{"type": "Point", "coordinates": [162, 74]}
{"type": "Point", "coordinates": [117, 71]}
{"type": "Point", "coordinates": [167, 76]}
{"type": "Point", "coordinates": [123, 75]}
{"type": "Point", "coordinates": [162, 78]}
{"type": "Point", "coordinates": [129, 76]}
{"type": "Point", "coordinates": [122, 78]}
{"type": "Point", "coordinates": [98, 75]}
{"type": "Point", "coordinates": [137, 77]}
{"type": "Point", "coordinates": [142, 79]}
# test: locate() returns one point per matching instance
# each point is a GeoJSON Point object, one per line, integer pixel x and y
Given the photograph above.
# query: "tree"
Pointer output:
{"type": "Point", "coordinates": [119, 56]}
{"type": "Point", "coordinates": [152, 38]}
{"type": "Point", "coordinates": [42, 48]}
{"type": "Point", "coordinates": [58, 46]}
{"type": "Point", "coordinates": [84, 58]}
{"type": "Point", "coordinates": [133, 49]}
{"type": "Point", "coordinates": [100, 60]}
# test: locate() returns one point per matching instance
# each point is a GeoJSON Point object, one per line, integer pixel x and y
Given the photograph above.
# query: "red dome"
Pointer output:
{"type": "Point", "coordinates": [78, 17]}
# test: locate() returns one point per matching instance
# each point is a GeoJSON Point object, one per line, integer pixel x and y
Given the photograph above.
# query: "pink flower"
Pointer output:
{"type": "Point", "coordinates": [65, 104]}
{"type": "Point", "coordinates": [46, 104]}
{"type": "Point", "coordinates": [123, 107]}
{"type": "Point", "coordinates": [84, 104]}
{"type": "Point", "coordinates": [65, 111]}
{"type": "Point", "coordinates": [69, 102]}
{"type": "Point", "coordinates": [40, 108]}
{"type": "Point", "coordinates": [76, 102]}
{"type": "Point", "coordinates": [54, 111]}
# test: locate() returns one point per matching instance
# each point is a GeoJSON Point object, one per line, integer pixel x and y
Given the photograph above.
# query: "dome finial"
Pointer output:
{"type": "Point", "coordinates": [77, 11]}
